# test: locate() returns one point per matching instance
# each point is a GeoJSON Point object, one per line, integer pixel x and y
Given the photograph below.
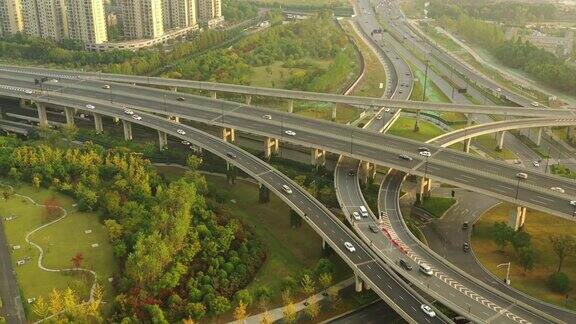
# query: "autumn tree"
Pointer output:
{"type": "Point", "coordinates": [289, 313]}
{"type": "Point", "coordinates": [308, 285]}
{"type": "Point", "coordinates": [312, 308]}
{"type": "Point", "coordinates": [240, 311]}
{"type": "Point", "coordinates": [77, 260]}
{"type": "Point", "coordinates": [40, 308]}
{"type": "Point", "coordinates": [52, 207]}
{"type": "Point", "coordinates": [564, 246]}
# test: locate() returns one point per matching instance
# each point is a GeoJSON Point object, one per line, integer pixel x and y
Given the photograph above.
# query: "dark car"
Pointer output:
{"type": "Point", "coordinates": [465, 225]}
{"type": "Point", "coordinates": [466, 247]}
{"type": "Point", "coordinates": [181, 99]}
{"type": "Point", "coordinates": [405, 157]}
{"type": "Point", "coordinates": [373, 228]}
{"type": "Point", "coordinates": [231, 155]}
{"type": "Point", "coordinates": [404, 264]}
{"type": "Point", "coordinates": [423, 149]}
{"type": "Point", "coordinates": [351, 172]}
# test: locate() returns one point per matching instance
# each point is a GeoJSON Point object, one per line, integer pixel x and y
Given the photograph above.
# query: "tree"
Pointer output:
{"type": "Point", "coordinates": [41, 308]}
{"type": "Point", "coordinates": [263, 296]}
{"type": "Point", "coordinates": [196, 311]}
{"type": "Point", "coordinates": [501, 234]}
{"type": "Point", "coordinates": [52, 207]}
{"type": "Point", "coordinates": [56, 305]}
{"type": "Point", "coordinates": [312, 309]}
{"type": "Point", "coordinates": [527, 257]}
{"type": "Point", "coordinates": [325, 280]}
{"type": "Point", "coordinates": [219, 305]}
{"type": "Point", "coordinates": [240, 311]}
{"type": "Point", "coordinates": [77, 260]}
{"type": "Point", "coordinates": [266, 318]}
{"type": "Point", "coordinates": [243, 296]}
{"type": "Point", "coordinates": [333, 296]}
{"type": "Point", "coordinates": [559, 282]}
{"type": "Point", "coordinates": [289, 313]}
{"type": "Point", "coordinates": [156, 315]}
{"type": "Point", "coordinates": [308, 285]}
{"type": "Point", "coordinates": [564, 246]}
{"type": "Point", "coordinates": [520, 240]}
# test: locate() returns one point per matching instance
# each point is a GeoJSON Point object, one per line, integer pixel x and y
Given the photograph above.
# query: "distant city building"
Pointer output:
{"type": "Point", "coordinates": [86, 21]}
{"type": "Point", "coordinates": [45, 19]}
{"type": "Point", "coordinates": [142, 18]}
{"type": "Point", "coordinates": [210, 12]}
{"type": "Point", "coordinates": [10, 17]}
{"type": "Point", "coordinates": [179, 14]}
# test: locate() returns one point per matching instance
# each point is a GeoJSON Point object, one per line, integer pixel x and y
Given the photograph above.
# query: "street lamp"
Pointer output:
{"type": "Point", "coordinates": [507, 264]}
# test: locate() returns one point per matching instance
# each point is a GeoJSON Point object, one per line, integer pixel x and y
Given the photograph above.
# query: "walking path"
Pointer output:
{"type": "Point", "coordinates": [41, 256]}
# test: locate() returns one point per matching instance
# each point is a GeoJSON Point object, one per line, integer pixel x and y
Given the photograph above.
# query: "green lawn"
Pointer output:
{"type": "Point", "coordinates": [540, 226]}
{"type": "Point", "coordinates": [276, 76]}
{"type": "Point", "coordinates": [60, 241]}
{"type": "Point", "coordinates": [304, 2]}
{"type": "Point", "coordinates": [404, 127]}
{"type": "Point", "coordinates": [489, 142]}
{"type": "Point", "coordinates": [271, 222]}
{"type": "Point", "coordinates": [319, 110]}
{"type": "Point", "coordinates": [437, 206]}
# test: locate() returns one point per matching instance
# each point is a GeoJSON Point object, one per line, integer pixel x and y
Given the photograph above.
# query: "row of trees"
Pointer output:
{"type": "Point", "coordinates": [179, 258]}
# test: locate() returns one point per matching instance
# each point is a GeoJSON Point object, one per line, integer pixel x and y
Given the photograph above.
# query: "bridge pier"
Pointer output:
{"type": "Point", "coordinates": [248, 99]}
{"type": "Point", "coordinates": [98, 124]}
{"type": "Point", "coordinates": [367, 171]}
{"type": "Point", "coordinates": [228, 134]}
{"type": "Point", "coordinates": [359, 283]}
{"type": "Point", "coordinates": [318, 157]}
{"type": "Point", "coordinates": [162, 140]}
{"type": "Point", "coordinates": [42, 116]}
{"type": "Point", "coordinates": [538, 136]}
{"type": "Point", "coordinates": [69, 111]}
{"type": "Point", "coordinates": [290, 105]}
{"type": "Point", "coordinates": [271, 146]}
{"type": "Point", "coordinates": [22, 103]}
{"type": "Point", "coordinates": [424, 187]}
{"type": "Point", "coordinates": [175, 119]}
{"type": "Point", "coordinates": [334, 110]}
{"type": "Point", "coordinates": [468, 119]}
{"type": "Point", "coordinates": [500, 140]}
{"type": "Point", "coordinates": [127, 130]}
{"type": "Point", "coordinates": [417, 123]}
{"type": "Point", "coordinates": [467, 143]}
{"type": "Point", "coordinates": [174, 89]}
{"type": "Point", "coordinates": [214, 95]}
{"type": "Point", "coordinates": [517, 218]}
{"type": "Point", "coordinates": [570, 133]}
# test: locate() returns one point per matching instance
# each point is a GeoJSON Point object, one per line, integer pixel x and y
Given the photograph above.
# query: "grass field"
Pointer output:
{"type": "Point", "coordinates": [271, 222]}
{"type": "Point", "coordinates": [437, 206]}
{"type": "Point", "coordinates": [540, 226]}
{"type": "Point", "coordinates": [489, 142]}
{"type": "Point", "coordinates": [60, 241]}
{"type": "Point", "coordinates": [374, 75]}
{"type": "Point", "coordinates": [318, 3]}
{"type": "Point", "coordinates": [404, 127]}
{"type": "Point", "coordinates": [276, 75]}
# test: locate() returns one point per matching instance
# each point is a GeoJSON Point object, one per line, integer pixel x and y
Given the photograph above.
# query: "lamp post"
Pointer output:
{"type": "Point", "coordinates": [507, 264]}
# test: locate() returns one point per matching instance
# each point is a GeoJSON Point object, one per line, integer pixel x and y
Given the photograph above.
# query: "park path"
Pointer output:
{"type": "Point", "coordinates": [41, 250]}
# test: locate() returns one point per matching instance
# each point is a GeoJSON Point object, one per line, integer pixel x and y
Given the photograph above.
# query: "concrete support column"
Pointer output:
{"type": "Point", "coordinates": [468, 119]}
{"type": "Point", "coordinates": [358, 283]}
{"type": "Point", "coordinates": [175, 119]}
{"type": "Point", "coordinates": [174, 89]}
{"type": "Point", "coordinates": [162, 140]}
{"type": "Point", "coordinates": [69, 116]}
{"type": "Point", "coordinates": [271, 146]}
{"type": "Point", "coordinates": [214, 95]}
{"type": "Point", "coordinates": [417, 123]}
{"type": "Point", "coordinates": [248, 99]}
{"type": "Point", "coordinates": [290, 105]}
{"type": "Point", "coordinates": [22, 103]}
{"type": "Point", "coordinates": [570, 133]}
{"type": "Point", "coordinates": [228, 134]}
{"type": "Point", "coordinates": [334, 111]}
{"type": "Point", "coordinates": [467, 145]}
{"type": "Point", "coordinates": [538, 138]}
{"type": "Point", "coordinates": [424, 185]}
{"type": "Point", "coordinates": [517, 218]}
{"type": "Point", "coordinates": [318, 157]}
{"type": "Point", "coordinates": [98, 124]}
{"type": "Point", "coordinates": [367, 171]}
{"type": "Point", "coordinates": [500, 140]}
{"type": "Point", "coordinates": [127, 130]}
{"type": "Point", "coordinates": [42, 117]}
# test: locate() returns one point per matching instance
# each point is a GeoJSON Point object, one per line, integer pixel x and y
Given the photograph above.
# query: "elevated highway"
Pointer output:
{"type": "Point", "coordinates": [295, 95]}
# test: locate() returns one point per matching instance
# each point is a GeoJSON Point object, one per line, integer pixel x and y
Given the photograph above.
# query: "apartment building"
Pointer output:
{"type": "Point", "coordinates": [142, 19]}
{"type": "Point", "coordinates": [86, 21]}
{"type": "Point", "coordinates": [45, 19]}
{"type": "Point", "coordinates": [178, 14]}
{"type": "Point", "coordinates": [10, 17]}
{"type": "Point", "coordinates": [210, 12]}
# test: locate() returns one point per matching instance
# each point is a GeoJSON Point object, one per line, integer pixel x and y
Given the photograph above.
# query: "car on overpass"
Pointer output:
{"type": "Point", "coordinates": [349, 246]}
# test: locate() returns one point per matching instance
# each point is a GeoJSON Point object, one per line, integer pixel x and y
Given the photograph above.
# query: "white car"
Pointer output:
{"type": "Point", "coordinates": [573, 202]}
{"type": "Point", "coordinates": [136, 117]}
{"type": "Point", "coordinates": [106, 86]}
{"type": "Point", "coordinates": [267, 117]}
{"type": "Point", "coordinates": [185, 143]}
{"type": "Point", "coordinates": [287, 189]}
{"type": "Point", "coordinates": [349, 246]}
{"type": "Point", "coordinates": [28, 91]}
{"type": "Point", "coordinates": [558, 189]}
{"type": "Point", "coordinates": [128, 112]}
{"type": "Point", "coordinates": [428, 310]}
{"type": "Point", "coordinates": [181, 132]}
{"type": "Point", "coordinates": [89, 106]}
{"type": "Point", "coordinates": [535, 104]}
{"type": "Point", "coordinates": [356, 216]}
{"type": "Point", "coordinates": [536, 164]}
{"type": "Point", "coordinates": [425, 153]}
{"type": "Point", "coordinates": [387, 110]}
{"type": "Point", "coordinates": [290, 132]}
{"type": "Point", "coordinates": [379, 117]}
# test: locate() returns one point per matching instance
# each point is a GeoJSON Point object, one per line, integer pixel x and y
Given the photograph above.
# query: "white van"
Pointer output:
{"type": "Point", "coordinates": [363, 211]}
{"type": "Point", "coordinates": [425, 269]}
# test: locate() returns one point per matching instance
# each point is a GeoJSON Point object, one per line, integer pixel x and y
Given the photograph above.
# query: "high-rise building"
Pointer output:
{"type": "Point", "coordinates": [10, 17]}
{"type": "Point", "coordinates": [179, 14]}
{"type": "Point", "coordinates": [45, 18]}
{"type": "Point", "coordinates": [209, 11]}
{"type": "Point", "coordinates": [86, 21]}
{"type": "Point", "coordinates": [142, 18]}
